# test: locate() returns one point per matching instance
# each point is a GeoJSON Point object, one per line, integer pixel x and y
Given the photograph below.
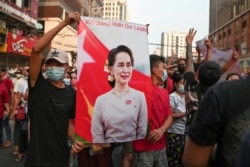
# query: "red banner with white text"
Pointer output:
{"type": "Point", "coordinates": [19, 44]}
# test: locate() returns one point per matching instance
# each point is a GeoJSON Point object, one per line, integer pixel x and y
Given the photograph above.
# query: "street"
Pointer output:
{"type": "Point", "coordinates": [6, 157]}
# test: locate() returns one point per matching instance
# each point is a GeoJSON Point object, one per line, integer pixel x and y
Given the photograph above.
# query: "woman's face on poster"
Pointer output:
{"type": "Point", "coordinates": [122, 68]}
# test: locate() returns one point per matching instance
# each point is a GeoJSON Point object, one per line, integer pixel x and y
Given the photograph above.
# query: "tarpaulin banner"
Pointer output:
{"type": "Point", "coordinates": [102, 121]}
{"type": "Point", "coordinates": [19, 44]}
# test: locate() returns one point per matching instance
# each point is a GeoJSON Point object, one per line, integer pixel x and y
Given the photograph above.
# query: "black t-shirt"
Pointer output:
{"type": "Point", "coordinates": [50, 109]}
{"type": "Point", "coordinates": [223, 117]}
{"type": "Point", "coordinates": [243, 159]}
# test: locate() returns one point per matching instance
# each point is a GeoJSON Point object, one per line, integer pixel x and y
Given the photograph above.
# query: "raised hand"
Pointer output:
{"type": "Point", "coordinates": [73, 17]}
{"type": "Point", "coordinates": [190, 35]}
{"type": "Point", "coordinates": [208, 43]}
{"type": "Point", "coordinates": [198, 50]}
{"type": "Point", "coordinates": [235, 56]}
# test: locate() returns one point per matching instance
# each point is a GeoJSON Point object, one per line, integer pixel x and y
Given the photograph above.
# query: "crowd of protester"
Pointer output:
{"type": "Point", "coordinates": [195, 119]}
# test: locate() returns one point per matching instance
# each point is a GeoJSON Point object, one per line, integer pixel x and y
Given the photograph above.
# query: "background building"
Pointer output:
{"type": "Point", "coordinates": [52, 12]}
{"type": "Point", "coordinates": [23, 21]}
{"type": "Point", "coordinates": [173, 42]}
{"type": "Point", "coordinates": [229, 26]}
{"type": "Point", "coordinates": [157, 51]}
{"type": "Point", "coordinates": [115, 10]}
{"type": "Point", "coordinates": [18, 23]}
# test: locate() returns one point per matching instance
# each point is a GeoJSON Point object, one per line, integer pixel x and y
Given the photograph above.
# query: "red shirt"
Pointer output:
{"type": "Point", "coordinates": [8, 83]}
{"type": "Point", "coordinates": [4, 98]}
{"type": "Point", "coordinates": [170, 85]}
{"type": "Point", "coordinates": [159, 113]}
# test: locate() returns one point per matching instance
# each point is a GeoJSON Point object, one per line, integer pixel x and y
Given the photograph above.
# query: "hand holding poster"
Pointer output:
{"type": "Point", "coordinates": [220, 57]}
{"type": "Point", "coordinates": [114, 110]}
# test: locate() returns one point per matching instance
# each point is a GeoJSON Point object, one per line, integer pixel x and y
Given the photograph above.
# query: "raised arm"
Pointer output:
{"type": "Point", "coordinates": [171, 59]}
{"type": "Point", "coordinates": [199, 54]}
{"type": "Point", "coordinates": [189, 56]}
{"type": "Point", "coordinates": [208, 45]}
{"type": "Point", "coordinates": [42, 43]}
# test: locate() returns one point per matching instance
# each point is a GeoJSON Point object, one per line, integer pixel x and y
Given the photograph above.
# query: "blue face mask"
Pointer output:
{"type": "Point", "coordinates": [181, 89]}
{"type": "Point", "coordinates": [66, 81]}
{"type": "Point", "coordinates": [165, 76]}
{"type": "Point", "coordinates": [55, 74]}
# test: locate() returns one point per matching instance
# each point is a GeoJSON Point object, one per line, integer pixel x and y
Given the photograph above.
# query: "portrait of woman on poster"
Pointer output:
{"type": "Point", "coordinates": [120, 114]}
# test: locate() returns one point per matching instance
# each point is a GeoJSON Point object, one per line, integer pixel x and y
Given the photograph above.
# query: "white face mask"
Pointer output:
{"type": "Point", "coordinates": [165, 76]}
{"type": "Point", "coordinates": [18, 75]}
{"type": "Point", "coordinates": [181, 89]}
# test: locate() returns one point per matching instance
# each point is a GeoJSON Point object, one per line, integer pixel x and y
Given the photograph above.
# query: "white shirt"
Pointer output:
{"type": "Point", "coordinates": [178, 105]}
{"type": "Point", "coordinates": [21, 87]}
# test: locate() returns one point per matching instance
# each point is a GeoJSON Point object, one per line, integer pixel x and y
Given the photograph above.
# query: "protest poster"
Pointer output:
{"type": "Point", "coordinates": [96, 37]}
{"type": "Point", "coordinates": [221, 57]}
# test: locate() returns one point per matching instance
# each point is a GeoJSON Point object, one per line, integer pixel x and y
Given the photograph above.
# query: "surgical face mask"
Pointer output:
{"type": "Point", "coordinates": [66, 81]}
{"type": "Point", "coordinates": [165, 76]}
{"type": "Point", "coordinates": [181, 89]}
{"type": "Point", "coordinates": [55, 74]}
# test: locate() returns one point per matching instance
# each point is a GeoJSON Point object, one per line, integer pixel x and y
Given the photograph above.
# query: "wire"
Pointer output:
{"type": "Point", "coordinates": [185, 46]}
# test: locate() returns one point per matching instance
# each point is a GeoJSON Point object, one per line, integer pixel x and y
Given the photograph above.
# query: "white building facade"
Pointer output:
{"type": "Point", "coordinates": [173, 43]}
{"type": "Point", "coordinates": [115, 10]}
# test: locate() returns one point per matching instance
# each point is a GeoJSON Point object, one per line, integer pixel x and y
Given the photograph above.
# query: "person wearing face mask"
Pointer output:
{"type": "Point", "coordinates": [20, 133]}
{"type": "Point", "coordinates": [66, 79]}
{"type": "Point", "coordinates": [176, 134]}
{"type": "Point", "coordinates": [181, 65]}
{"type": "Point", "coordinates": [51, 104]}
{"type": "Point", "coordinates": [20, 87]}
{"type": "Point", "coordinates": [151, 151]}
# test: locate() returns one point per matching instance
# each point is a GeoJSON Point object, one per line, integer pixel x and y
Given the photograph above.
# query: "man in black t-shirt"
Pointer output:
{"type": "Point", "coordinates": [222, 119]}
{"type": "Point", "coordinates": [51, 105]}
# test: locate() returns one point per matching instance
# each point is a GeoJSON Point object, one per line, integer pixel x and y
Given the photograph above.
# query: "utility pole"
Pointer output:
{"type": "Point", "coordinates": [90, 7]}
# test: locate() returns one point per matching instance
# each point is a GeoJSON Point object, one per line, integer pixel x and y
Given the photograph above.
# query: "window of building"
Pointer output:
{"type": "Point", "coordinates": [243, 48]}
{"type": "Point", "coordinates": [244, 23]}
{"type": "Point", "coordinates": [237, 27]}
{"type": "Point", "coordinates": [224, 34]}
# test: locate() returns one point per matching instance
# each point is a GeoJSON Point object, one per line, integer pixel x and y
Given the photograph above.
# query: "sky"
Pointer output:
{"type": "Point", "coordinates": [169, 16]}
